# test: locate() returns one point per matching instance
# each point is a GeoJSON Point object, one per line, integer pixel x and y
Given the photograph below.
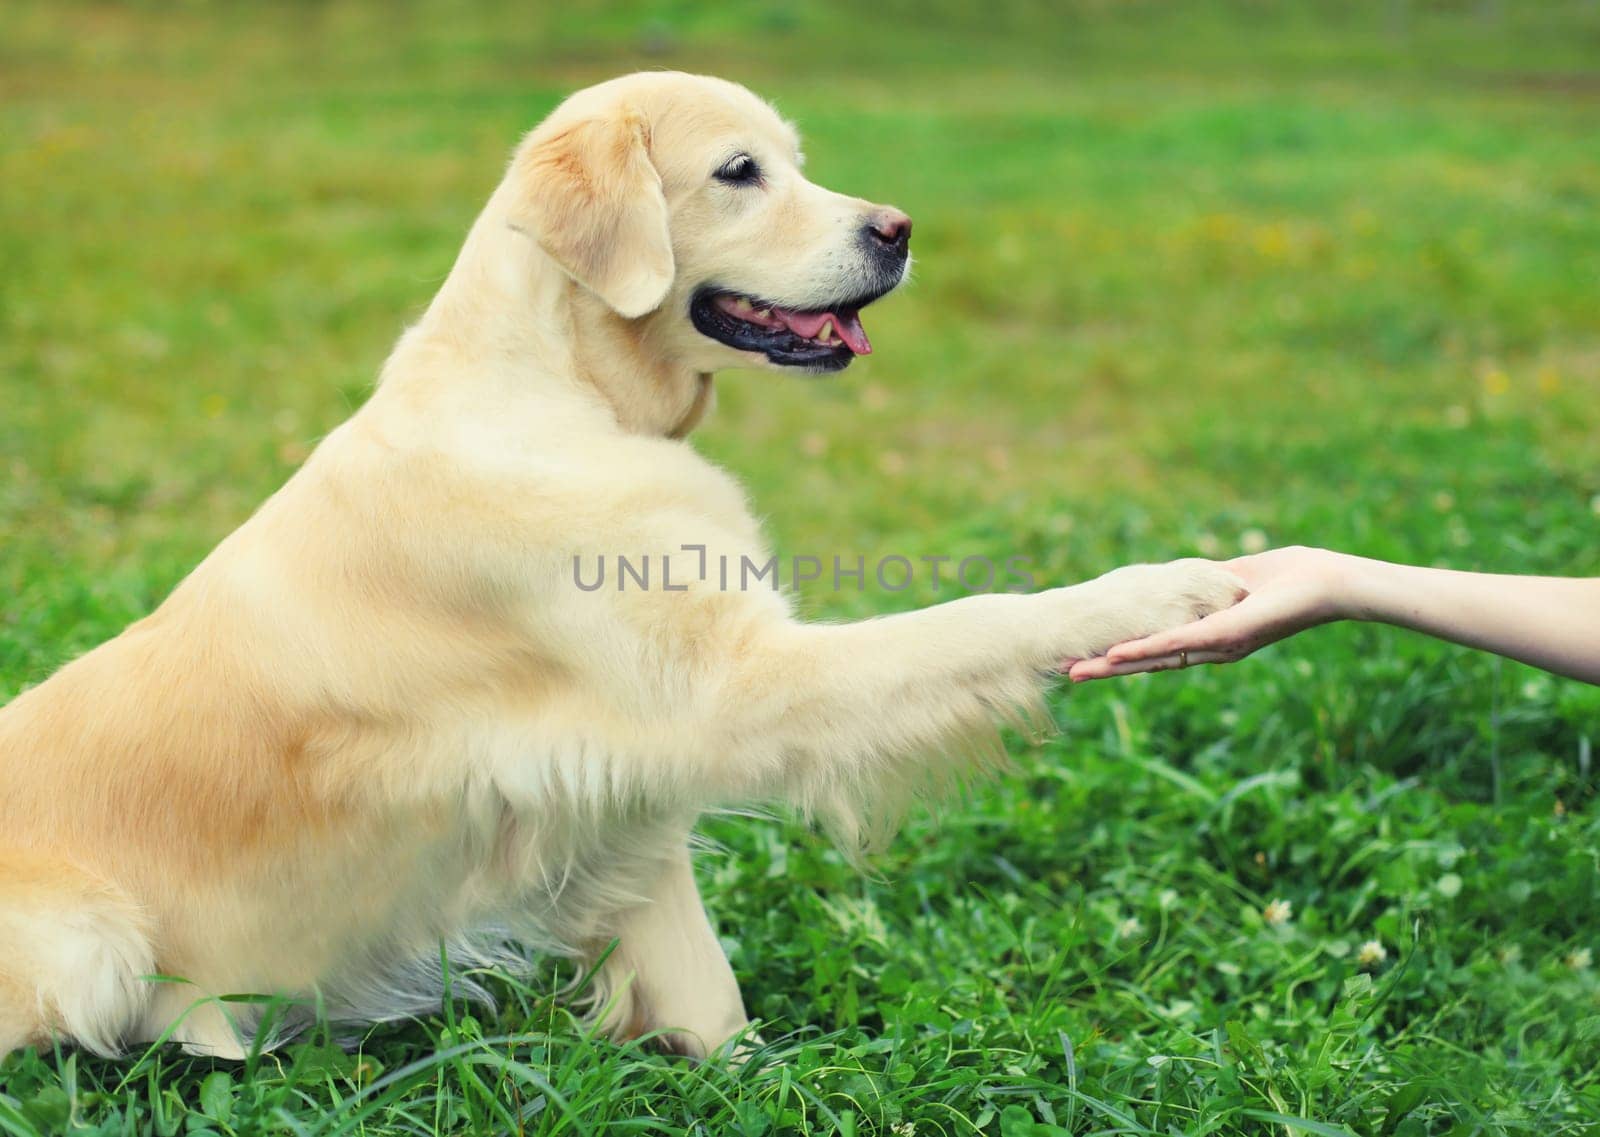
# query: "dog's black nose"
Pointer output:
{"type": "Point", "coordinates": [890, 230]}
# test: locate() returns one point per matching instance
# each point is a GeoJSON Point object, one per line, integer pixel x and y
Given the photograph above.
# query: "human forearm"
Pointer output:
{"type": "Point", "coordinates": [1549, 622]}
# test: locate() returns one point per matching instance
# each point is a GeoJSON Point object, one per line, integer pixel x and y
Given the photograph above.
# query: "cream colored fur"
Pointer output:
{"type": "Point", "coordinates": [380, 715]}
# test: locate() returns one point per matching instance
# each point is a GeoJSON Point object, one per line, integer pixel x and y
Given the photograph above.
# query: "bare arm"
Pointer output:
{"type": "Point", "coordinates": [1549, 622]}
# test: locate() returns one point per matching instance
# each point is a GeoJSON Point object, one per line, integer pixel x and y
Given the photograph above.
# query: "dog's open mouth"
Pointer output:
{"type": "Point", "coordinates": [822, 339]}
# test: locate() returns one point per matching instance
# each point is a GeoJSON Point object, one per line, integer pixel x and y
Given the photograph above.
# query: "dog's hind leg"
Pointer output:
{"type": "Point", "coordinates": [74, 952]}
{"type": "Point", "coordinates": [668, 972]}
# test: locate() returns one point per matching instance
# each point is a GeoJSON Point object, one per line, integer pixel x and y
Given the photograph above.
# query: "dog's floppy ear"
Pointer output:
{"type": "Point", "coordinates": [589, 195]}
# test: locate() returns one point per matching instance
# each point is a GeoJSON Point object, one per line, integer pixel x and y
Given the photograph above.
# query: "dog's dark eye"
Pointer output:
{"type": "Point", "coordinates": [739, 171]}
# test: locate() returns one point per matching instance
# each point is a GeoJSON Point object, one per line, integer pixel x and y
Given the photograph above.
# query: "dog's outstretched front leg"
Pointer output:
{"type": "Point", "coordinates": [844, 716]}
{"type": "Point", "coordinates": [668, 972]}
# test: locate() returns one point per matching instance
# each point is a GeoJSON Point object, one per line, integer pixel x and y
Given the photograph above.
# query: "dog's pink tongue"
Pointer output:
{"type": "Point", "coordinates": [808, 324]}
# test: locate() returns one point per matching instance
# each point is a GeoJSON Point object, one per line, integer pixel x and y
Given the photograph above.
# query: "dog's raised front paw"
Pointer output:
{"type": "Point", "coordinates": [1140, 600]}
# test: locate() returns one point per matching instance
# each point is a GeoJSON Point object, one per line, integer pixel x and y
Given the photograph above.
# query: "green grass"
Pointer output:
{"type": "Point", "coordinates": [1189, 277]}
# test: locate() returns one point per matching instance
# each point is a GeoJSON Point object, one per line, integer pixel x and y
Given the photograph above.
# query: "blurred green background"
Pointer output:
{"type": "Point", "coordinates": [1191, 278]}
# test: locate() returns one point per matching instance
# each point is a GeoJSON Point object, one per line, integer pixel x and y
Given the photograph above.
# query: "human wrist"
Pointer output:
{"type": "Point", "coordinates": [1360, 588]}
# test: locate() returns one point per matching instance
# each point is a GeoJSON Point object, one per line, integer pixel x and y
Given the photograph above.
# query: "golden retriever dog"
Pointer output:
{"type": "Point", "coordinates": [386, 714]}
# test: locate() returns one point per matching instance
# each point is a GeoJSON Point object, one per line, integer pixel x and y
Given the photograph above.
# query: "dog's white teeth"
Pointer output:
{"type": "Point", "coordinates": [765, 313]}
{"type": "Point", "coordinates": [825, 333]}
{"type": "Point", "coordinates": [741, 305]}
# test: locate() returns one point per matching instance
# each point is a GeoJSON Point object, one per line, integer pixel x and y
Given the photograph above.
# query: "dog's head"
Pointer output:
{"type": "Point", "coordinates": [678, 202]}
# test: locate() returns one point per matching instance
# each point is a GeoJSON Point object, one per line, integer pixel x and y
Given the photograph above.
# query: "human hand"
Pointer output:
{"type": "Point", "coordinates": [1290, 590]}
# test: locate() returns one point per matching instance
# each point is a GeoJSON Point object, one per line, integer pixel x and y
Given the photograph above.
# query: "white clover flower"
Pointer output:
{"type": "Point", "coordinates": [1277, 913]}
{"type": "Point", "coordinates": [903, 1129]}
{"type": "Point", "coordinates": [1449, 886]}
{"type": "Point", "coordinates": [1579, 959]}
{"type": "Point", "coordinates": [1371, 954]}
{"type": "Point", "coordinates": [1168, 898]}
{"type": "Point", "coordinates": [1129, 928]}
{"type": "Point", "coordinates": [1509, 955]}
{"type": "Point", "coordinates": [1253, 541]}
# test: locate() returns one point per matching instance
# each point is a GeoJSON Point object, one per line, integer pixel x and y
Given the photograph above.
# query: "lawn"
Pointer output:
{"type": "Point", "coordinates": [1191, 279]}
